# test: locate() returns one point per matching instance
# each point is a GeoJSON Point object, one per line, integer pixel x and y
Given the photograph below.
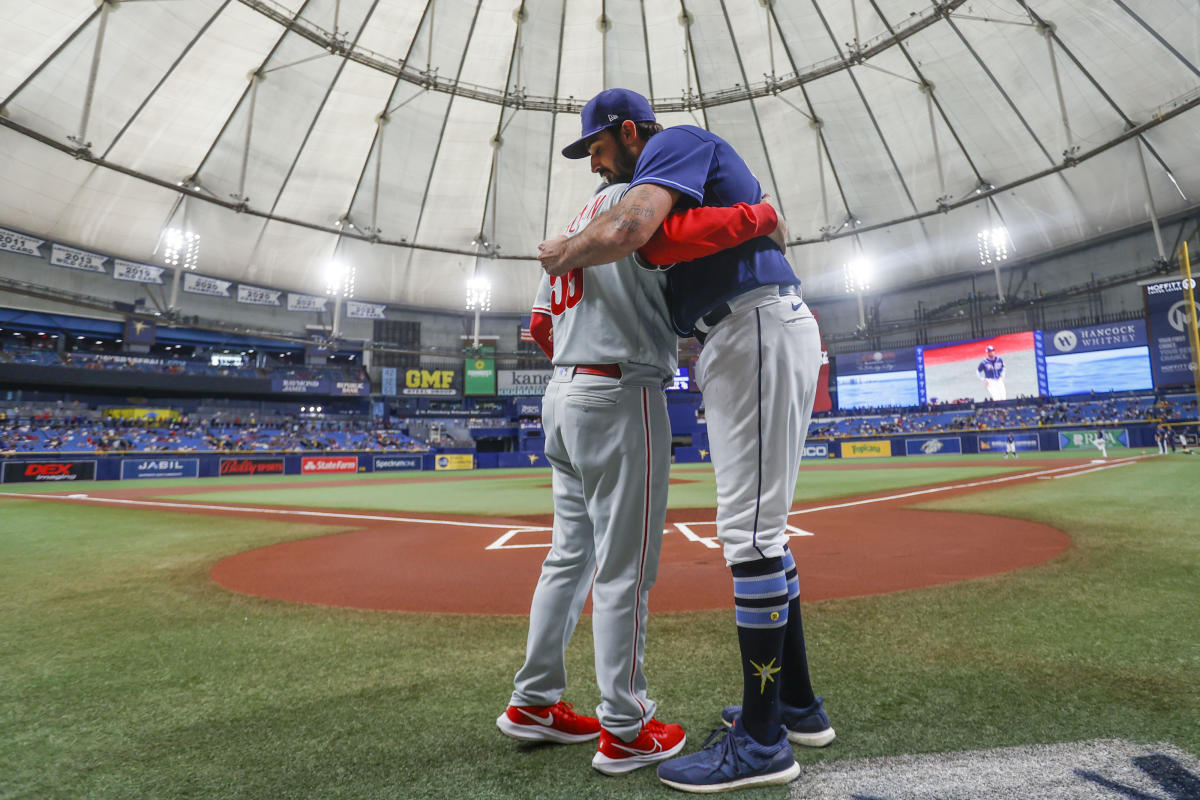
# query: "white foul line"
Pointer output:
{"type": "Point", "coordinates": [1086, 471]}
{"type": "Point", "coordinates": [951, 487]}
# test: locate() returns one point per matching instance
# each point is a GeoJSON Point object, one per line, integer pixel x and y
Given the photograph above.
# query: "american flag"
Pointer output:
{"type": "Point", "coordinates": [525, 335]}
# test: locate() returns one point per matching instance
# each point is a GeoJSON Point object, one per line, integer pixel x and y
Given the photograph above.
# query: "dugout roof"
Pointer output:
{"type": "Point", "coordinates": [418, 140]}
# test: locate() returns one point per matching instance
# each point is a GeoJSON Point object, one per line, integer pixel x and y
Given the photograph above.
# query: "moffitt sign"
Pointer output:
{"type": "Point", "coordinates": [251, 466]}
{"type": "Point", "coordinates": [314, 464]}
{"type": "Point", "coordinates": [53, 471]}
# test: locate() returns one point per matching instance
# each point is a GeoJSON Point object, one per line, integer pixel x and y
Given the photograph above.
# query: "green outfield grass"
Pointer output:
{"type": "Point", "coordinates": [124, 672]}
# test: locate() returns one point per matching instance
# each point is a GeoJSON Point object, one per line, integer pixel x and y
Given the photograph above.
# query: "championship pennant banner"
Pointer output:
{"type": "Point", "coordinates": [357, 310]}
{"type": "Point", "coordinates": [138, 273]}
{"type": "Point", "coordinates": [63, 256]}
{"type": "Point", "coordinates": [305, 302]}
{"type": "Point", "coordinates": [199, 284]}
{"type": "Point", "coordinates": [256, 296]}
{"type": "Point", "coordinates": [15, 242]}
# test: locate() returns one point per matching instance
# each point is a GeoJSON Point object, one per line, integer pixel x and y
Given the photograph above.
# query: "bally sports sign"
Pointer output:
{"type": "Point", "coordinates": [311, 465]}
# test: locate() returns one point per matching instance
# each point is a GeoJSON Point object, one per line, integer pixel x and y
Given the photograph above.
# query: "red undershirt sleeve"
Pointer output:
{"type": "Point", "coordinates": [697, 232]}
{"type": "Point", "coordinates": [541, 327]}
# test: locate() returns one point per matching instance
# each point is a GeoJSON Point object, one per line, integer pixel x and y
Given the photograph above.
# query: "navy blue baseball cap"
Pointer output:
{"type": "Point", "coordinates": [610, 107]}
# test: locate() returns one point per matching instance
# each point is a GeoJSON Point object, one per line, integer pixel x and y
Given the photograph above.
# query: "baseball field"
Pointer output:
{"type": "Point", "coordinates": [356, 637]}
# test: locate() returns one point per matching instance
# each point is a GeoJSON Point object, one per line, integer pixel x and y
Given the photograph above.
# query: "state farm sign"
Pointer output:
{"type": "Point", "coordinates": [314, 464]}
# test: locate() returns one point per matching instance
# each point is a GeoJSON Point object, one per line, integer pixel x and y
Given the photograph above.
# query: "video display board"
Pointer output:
{"type": "Point", "coordinates": [968, 370]}
{"type": "Point", "coordinates": [877, 379]}
{"type": "Point", "coordinates": [1101, 358]}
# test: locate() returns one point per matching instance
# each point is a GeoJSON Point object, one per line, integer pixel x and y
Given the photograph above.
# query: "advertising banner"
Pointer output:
{"type": "Point", "coordinates": [358, 310]}
{"type": "Point", "coordinates": [454, 461]}
{"type": "Point", "coordinates": [138, 273]}
{"type": "Point", "coordinates": [876, 448]}
{"type": "Point", "coordinates": [1110, 358]}
{"type": "Point", "coordinates": [393, 463]}
{"type": "Point", "coordinates": [430, 383]}
{"type": "Point", "coordinates": [1083, 439]}
{"type": "Point", "coordinates": [816, 450]}
{"type": "Point", "coordinates": [522, 382]}
{"type": "Point", "coordinates": [48, 471]}
{"type": "Point", "coordinates": [310, 465]}
{"type": "Point", "coordinates": [133, 468]}
{"type": "Point", "coordinates": [251, 466]}
{"type": "Point", "coordinates": [253, 295]}
{"type": "Point", "coordinates": [15, 242]}
{"type": "Point", "coordinates": [323, 386]}
{"type": "Point", "coordinates": [681, 382]}
{"type": "Point", "coordinates": [1170, 352]}
{"type": "Point", "coordinates": [876, 379]}
{"type": "Point", "coordinates": [996, 442]}
{"type": "Point", "coordinates": [305, 302]}
{"type": "Point", "coordinates": [199, 284]}
{"type": "Point", "coordinates": [63, 256]}
{"type": "Point", "coordinates": [933, 447]}
{"type": "Point", "coordinates": [142, 414]}
{"type": "Point", "coordinates": [480, 374]}
{"type": "Point", "coordinates": [387, 381]}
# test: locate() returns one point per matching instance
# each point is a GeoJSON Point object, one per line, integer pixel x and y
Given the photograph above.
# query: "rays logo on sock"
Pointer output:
{"type": "Point", "coordinates": [765, 672]}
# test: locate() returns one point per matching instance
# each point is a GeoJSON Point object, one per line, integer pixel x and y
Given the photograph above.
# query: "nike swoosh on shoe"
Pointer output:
{"type": "Point", "coordinates": [547, 720]}
{"type": "Point", "coordinates": [636, 752]}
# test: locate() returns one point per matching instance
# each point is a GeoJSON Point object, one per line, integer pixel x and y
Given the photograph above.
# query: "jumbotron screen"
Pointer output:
{"type": "Point", "coordinates": [1098, 358]}
{"type": "Point", "coordinates": [972, 371]}
{"type": "Point", "coordinates": [877, 379]}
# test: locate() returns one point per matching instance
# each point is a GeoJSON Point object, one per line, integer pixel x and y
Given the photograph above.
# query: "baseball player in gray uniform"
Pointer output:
{"type": "Point", "coordinates": [608, 441]}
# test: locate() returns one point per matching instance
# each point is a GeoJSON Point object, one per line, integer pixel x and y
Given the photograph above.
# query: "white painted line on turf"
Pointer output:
{"type": "Point", "coordinates": [1093, 469]}
{"type": "Point", "coordinates": [283, 512]}
{"type": "Point", "coordinates": [947, 488]}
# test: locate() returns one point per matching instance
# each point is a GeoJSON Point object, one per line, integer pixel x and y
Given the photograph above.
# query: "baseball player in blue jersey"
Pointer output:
{"type": "Point", "coordinates": [991, 372]}
{"type": "Point", "coordinates": [758, 373]}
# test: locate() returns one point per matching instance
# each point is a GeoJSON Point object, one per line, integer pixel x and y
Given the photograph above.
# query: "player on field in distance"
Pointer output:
{"type": "Point", "coordinates": [758, 372]}
{"type": "Point", "coordinates": [608, 440]}
{"type": "Point", "coordinates": [1010, 447]}
{"type": "Point", "coordinates": [991, 372]}
{"type": "Point", "coordinates": [1100, 444]}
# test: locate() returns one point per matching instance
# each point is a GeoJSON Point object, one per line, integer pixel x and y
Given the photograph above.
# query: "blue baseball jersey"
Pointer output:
{"type": "Point", "coordinates": [707, 171]}
{"type": "Point", "coordinates": [991, 368]}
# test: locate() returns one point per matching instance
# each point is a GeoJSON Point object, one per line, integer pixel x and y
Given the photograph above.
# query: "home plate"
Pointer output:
{"type": "Point", "coordinates": [1102, 769]}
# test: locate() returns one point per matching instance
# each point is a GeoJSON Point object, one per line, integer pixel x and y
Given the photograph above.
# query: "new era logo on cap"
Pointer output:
{"type": "Point", "coordinates": [605, 109]}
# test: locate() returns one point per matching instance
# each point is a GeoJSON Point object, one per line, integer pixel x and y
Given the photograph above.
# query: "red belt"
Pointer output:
{"type": "Point", "coordinates": [606, 370]}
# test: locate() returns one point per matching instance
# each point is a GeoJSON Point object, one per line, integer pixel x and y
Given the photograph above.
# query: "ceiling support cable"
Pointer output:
{"type": "Point", "coordinates": [80, 139]}
{"type": "Point", "coordinates": [321, 108]}
{"type": "Point", "coordinates": [646, 49]}
{"type": "Point", "coordinates": [815, 122]}
{"type": "Point", "coordinates": [1048, 32]}
{"type": "Point", "coordinates": [38, 70]}
{"type": "Point", "coordinates": [927, 90]}
{"type": "Point", "coordinates": [193, 179]}
{"type": "Point", "coordinates": [1150, 209]}
{"type": "Point", "coordinates": [562, 23]}
{"type": "Point", "coordinates": [1129, 123]}
{"type": "Point", "coordinates": [603, 25]}
{"type": "Point", "coordinates": [240, 197]}
{"type": "Point", "coordinates": [696, 99]}
{"type": "Point", "coordinates": [445, 119]}
{"type": "Point", "coordinates": [1000, 89]}
{"type": "Point", "coordinates": [1158, 37]}
{"type": "Point", "coordinates": [932, 96]}
{"type": "Point", "coordinates": [754, 111]}
{"type": "Point", "coordinates": [487, 239]}
{"type": "Point", "coordinates": [381, 121]}
{"type": "Point", "coordinates": [866, 105]}
{"type": "Point", "coordinates": [816, 125]}
{"type": "Point", "coordinates": [170, 71]}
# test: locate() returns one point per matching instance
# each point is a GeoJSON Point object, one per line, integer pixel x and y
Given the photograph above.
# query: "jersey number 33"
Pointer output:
{"type": "Point", "coordinates": [566, 291]}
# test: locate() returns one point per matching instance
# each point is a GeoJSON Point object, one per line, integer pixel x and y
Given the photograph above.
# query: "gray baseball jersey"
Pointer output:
{"type": "Point", "coordinates": [625, 317]}
{"type": "Point", "coordinates": [608, 440]}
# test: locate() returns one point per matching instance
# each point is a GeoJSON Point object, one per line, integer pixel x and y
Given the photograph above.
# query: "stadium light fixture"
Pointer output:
{"type": "Point", "coordinates": [181, 248]}
{"type": "Point", "coordinates": [340, 279]}
{"type": "Point", "coordinates": [479, 294]}
{"type": "Point", "coordinates": [857, 275]}
{"type": "Point", "coordinates": [994, 245]}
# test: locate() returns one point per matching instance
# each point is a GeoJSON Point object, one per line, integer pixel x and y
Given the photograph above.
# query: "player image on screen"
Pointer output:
{"type": "Point", "coordinates": [991, 372]}
{"type": "Point", "coordinates": [994, 369]}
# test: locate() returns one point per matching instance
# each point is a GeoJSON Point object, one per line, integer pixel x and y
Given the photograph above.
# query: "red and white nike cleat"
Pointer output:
{"type": "Point", "coordinates": [654, 743]}
{"type": "Point", "coordinates": [556, 723]}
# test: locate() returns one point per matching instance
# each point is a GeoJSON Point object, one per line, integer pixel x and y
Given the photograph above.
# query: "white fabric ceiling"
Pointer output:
{"type": "Point", "coordinates": [921, 107]}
